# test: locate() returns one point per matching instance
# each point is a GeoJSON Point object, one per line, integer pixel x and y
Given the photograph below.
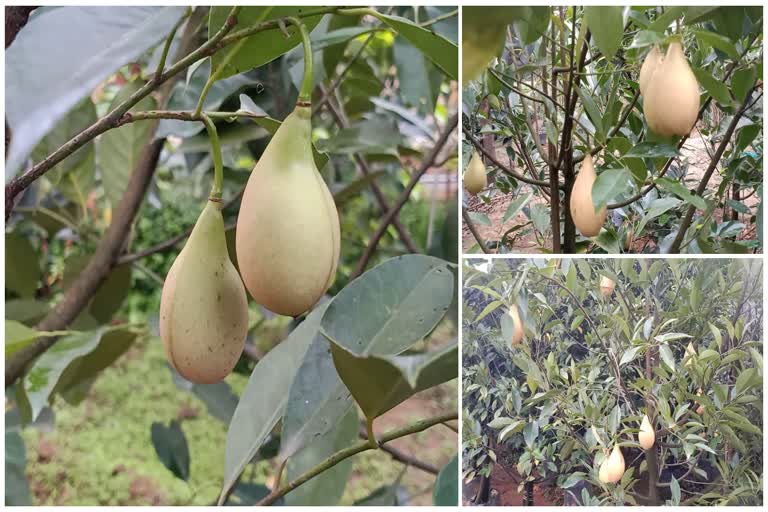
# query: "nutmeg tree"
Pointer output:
{"type": "Point", "coordinates": [664, 103]}
{"type": "Point", "coordinates": [231, 186]}
{"type": "Point", "coordinates": [603, 403]}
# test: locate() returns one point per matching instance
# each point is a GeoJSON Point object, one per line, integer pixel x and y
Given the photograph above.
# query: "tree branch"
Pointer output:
{"type": "Point", "coordinates": [405, 458]}
{"type": "Point", "coordinates": [356, 448]}
{"type": "Point", "coordinates": [685, 224]}
{"type": "Point", "coordinates": [497, 163]}
{"type": "Point", "coordinates": [473, 230]}
{"type": "Point", "coordinates": [211, 46]}
{"type": "Point", "coordinates": [78, 295]}
{"type": "Point", "coordinates": [426, 164]}
{"type": "Point", "coordinates": [365, 170]}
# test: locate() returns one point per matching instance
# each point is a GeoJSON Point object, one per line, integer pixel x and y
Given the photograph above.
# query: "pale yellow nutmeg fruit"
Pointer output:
{"type": "Point", "coordinates": [587, 220]}
{"type": "Point", "coordinates": [651, 62]}
{"type": "Point", "coordinates": [203, 307]}
{"type": "Point", "coordinates": [475, 179]}
{"type": "Point", "coordinates": [612, 468]}
{"type": "Point", "coordinates": [288, 235]}
{"type": "Point", "coordinates": [519, 331]}
{"type": "Point", "coordinates": [671, 99]}
{"type": "Point", "coordinates": [690, 352]}
{"type": "Point", "coordinates": [606, 286]}
{"type": "Point", "coordinates": [647, 436]}
{"type": "Point", "coordinates": [700, 408]}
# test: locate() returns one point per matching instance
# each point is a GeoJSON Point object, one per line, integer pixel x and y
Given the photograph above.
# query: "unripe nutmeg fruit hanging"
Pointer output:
{"type": "Point", "coordinates": [671, 99]}
{"type": "Point", "coordinates": [612, 468]}
{"type": "Point", "coordinates": [475, 179]}
{"type": "Point", "coordinates": [646, 437]}
{"type": "Point", "coordinates": [288, 235]}
{"type": "Point", "coordinates": [606, 286]}
{"type": "Point", "coordinates": [651, 62]}
{"type": "Point", "coordinates": [203, 307]}
{"type": "Point", "coordinates": [519, 330]}
{"type": "Point", "coordinates": [587, 220]}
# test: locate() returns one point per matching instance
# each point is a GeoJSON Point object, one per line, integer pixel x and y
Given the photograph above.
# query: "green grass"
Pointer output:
{"type": "Point", "coordinates": [103, 453]}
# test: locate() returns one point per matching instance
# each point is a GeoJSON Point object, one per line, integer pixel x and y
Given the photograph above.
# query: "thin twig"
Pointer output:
{"type": "Point", "coordinates": [356, 448]}
{"type": "Point", "coordinates": [473, 230]}
{"type": "Point", "coordinates": [392, 213]}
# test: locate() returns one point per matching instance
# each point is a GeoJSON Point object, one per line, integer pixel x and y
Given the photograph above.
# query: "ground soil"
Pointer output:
{"type": "Point", "coordinates": [506, 481]}
{"type": "Point", "coordinates": [529, 241]}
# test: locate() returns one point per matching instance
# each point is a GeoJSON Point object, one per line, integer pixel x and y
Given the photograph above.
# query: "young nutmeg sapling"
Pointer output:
{"type": "Point", "coordinates": [288, 236]}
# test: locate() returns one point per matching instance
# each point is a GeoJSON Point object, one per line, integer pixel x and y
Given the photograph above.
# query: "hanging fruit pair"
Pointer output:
{"type": "Point", "coordinates": [587, 220]}
{"type": "Point", "coordinates": [670, 92]}
{"type": "Point", "coordinates": [287, 244]}
{"type": "Point", "coordinates": [475, 179]}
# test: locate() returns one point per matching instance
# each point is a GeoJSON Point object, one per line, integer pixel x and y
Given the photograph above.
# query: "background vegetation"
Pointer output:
{"type": "Point", "coordinates": [591, 366]}
{"type": "Point", "coordinates": [565, 83]}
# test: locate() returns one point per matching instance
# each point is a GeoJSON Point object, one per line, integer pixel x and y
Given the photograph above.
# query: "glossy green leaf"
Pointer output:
{"type": "Point", "coordinates": [442, 52]}
{"type": "Point", "coordinates": [22, 265]}
{"type": "Point", "coordinates": [326, 488]}
{"type": "Point", "coordinates": [446, 490]}
{"type": "Point", "coordinates": [609, 185]}
{"type": "Point", "coordinates": [390, 307]}
{"type": "Point", "coordinates": [606, 24]}
{"type": "Point", "coordinates": [262, 47]}
{"type": "Point", "coordinates": [263, 401]}
{"type": "Point", "coordinates": [379, 383]}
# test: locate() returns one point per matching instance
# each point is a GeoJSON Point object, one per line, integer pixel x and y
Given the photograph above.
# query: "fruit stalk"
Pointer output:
{"type": "Point", "coordinates": [305, 94]}
{"type": "Point", "coordinates": [218, 167]}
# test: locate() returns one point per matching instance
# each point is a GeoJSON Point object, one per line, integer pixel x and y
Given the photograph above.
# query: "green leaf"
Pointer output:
{"type": "Point", "coordinates": [490, 308]}
{"type": "Point", "coordinates": [120, 149]}
{"type": "Point", "coordinates": [442, 52]}
{"type": "Point", "coordinates": [716, 88]}
{"type": "Point", "coordinates": [171, 448]}
{"type": "Point", "coordinates": [742, 81]}
{"type": "Point", "coordinates": [22, 265]}
{"type": "Point", "coordinates": [262, 47]}
{"type": "Point", "coordinates": [609, 185]}
{"type": "Point", "coordinates": [42, 378]}
{"type": "Point", "coordinates": [480, 218]}
{"type": "Point", "coordinates": [717, 41]}
{"type": "Point", "coordinates": [667, 356]}
{"type": "Point", "coordinates": [77, 378]}
{"type": "Point", "coordinates": [218, 398]}
{"type": "Point", "coordinates": [515, 206]}
{"type": "Point", "coordinates": [263, 401]}
{"type": "Point", "coordinates": [110, 295]}
{"type": "Point", "coordinates": [379, 383]}
{"type": "Point", "coordinates": [652, 150]}
{"type": "Point", "coordinates": [592, 110]}
{"type": "Point", "coordinates": [677, 188]}
{"type": "Point", "coordinates": [49, 72]}
{"type": "Point", "coordinates": [326, 488]}
{"type": "Point", "coordinates": [16, 485]}
{"type": "Point", "coordinates": [744, 380]}
{"type": "Point", "coordinates": [316, 401]}
{"type": "Point", "coordinates": [353, 189]}
{"type": "Point", "coordinates": [446, 490]}
{"type": "Point", "coordinates": [26, 311]}
{"type": "Point", "coordinates": [606, 25]}
{"type": "Point", "coordinates": [395, 305]}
